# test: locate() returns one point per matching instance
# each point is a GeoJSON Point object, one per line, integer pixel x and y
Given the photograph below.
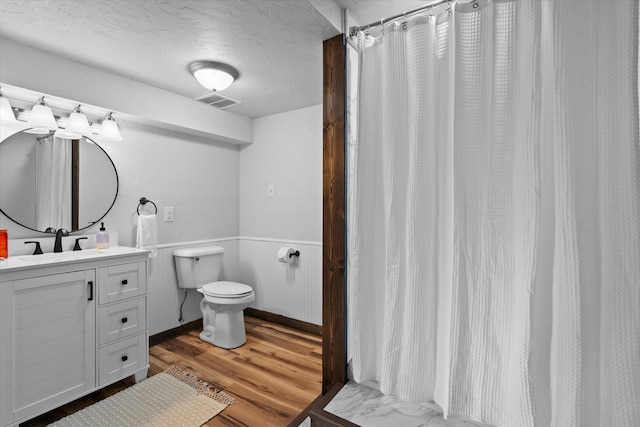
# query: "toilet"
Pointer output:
{"type": "Point", "coordinates": [222, 302]}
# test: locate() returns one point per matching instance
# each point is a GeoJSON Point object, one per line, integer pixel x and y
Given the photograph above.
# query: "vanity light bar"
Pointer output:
{"type": "Point", "coordinates": [22, 115]}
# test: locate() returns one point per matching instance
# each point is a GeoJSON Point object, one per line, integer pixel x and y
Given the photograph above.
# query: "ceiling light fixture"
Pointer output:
{"type": "Point", "coordinates": [110, 130]}
{"type": "Point", "coordinates": [6, 113]}
{"type": "Point", "coordinates": [213, 75]}
{"type": "Point", "coordinates": [78, 123]}
{"type": "Point", "coordinates": [41, 120]}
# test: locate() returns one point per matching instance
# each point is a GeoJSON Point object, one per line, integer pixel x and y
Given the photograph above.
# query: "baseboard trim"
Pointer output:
{"type": "Point", "coordinates": [285, 321]}
{"type": "Point", "coordinates": [171, 333]}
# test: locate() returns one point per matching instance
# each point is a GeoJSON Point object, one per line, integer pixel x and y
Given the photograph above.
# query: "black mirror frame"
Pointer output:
{"type": "Point", "coordinates": [115, 197]}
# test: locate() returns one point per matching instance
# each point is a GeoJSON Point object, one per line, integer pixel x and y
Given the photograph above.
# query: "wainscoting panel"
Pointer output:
{"type": "Point", "coordinates": [163, 293]}
{"type": "Point", "coordinates": [292, 290]}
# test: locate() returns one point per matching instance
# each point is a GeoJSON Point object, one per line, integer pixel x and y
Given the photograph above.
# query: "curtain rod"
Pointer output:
{"type": "Point", "coordinates": [354, 30]}
{"type": "Point", "coordinates": [40, 138]}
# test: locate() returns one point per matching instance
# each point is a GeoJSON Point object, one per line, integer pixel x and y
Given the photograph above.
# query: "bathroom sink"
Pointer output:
{"type": "Point", "coordinates": [26, 261]}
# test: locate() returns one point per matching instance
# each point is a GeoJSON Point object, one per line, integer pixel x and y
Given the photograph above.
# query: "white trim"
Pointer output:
{"type": "Point", "coordinates": [225, 239]}
{"type": "Point", "coordinates": [196, 242]}
{"type": "Point", "coordinates": [16, 246]}
{"type": "Point", "coordinates": [294, 242]}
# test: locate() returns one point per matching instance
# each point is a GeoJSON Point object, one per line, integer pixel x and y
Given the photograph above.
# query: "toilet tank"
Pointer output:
{"type": "Point", "coordinates": [198, 266]}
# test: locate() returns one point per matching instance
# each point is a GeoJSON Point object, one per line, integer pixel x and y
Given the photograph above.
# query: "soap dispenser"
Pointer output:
{"type": "Point", "coordinates": [102, 238]}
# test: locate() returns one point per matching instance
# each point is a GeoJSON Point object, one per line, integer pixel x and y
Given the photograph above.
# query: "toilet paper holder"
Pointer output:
{"type": "Point", "coordinates": [288, 255]}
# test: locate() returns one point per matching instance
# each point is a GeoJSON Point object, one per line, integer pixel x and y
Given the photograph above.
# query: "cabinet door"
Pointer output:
{"type": "Point", "coordinates": [51, 322]}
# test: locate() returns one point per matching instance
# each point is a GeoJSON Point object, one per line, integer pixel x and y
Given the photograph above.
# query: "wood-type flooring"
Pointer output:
{"type": "Point", "coordinates": [273, 377]}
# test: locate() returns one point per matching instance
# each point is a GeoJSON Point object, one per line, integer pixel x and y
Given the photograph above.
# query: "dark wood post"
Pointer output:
{"type": "Point", "coordinates": [334, 368]}
{"type": "Point", "coordinates": [75, 184]}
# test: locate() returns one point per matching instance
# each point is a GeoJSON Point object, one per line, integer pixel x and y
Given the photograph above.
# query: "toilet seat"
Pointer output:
{"type": "Point", "coordinates": [226, 290]}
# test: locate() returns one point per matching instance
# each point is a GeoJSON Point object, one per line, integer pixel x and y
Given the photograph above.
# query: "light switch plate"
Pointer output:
{"type": "Point", "coordinates": [168, 213]}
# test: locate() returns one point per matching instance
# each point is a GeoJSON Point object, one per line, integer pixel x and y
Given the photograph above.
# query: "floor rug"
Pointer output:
{"type": "Point", "coordinates": [171, 398]}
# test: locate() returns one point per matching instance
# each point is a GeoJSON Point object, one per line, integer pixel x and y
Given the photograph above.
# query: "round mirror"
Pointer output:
{"type": "Point", "coordinates": [48, 182]}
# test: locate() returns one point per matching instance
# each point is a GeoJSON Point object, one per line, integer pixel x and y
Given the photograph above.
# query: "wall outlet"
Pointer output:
{"type": "Point", "coordinates": [269, 190]}
{"type": "Point", "coordinates": [168, 214]}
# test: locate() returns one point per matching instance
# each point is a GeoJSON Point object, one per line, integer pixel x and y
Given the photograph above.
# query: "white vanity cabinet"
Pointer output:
{"type": "Point", "coordinates": [69, 327]}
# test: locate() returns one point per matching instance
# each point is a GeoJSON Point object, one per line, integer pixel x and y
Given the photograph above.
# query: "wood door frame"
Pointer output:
{"type": "Point", "coordinates": [334, 355]}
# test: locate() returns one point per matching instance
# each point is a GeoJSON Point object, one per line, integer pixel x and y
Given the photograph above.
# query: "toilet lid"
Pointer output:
{"type": "Point", "coordinates": [226, 289]}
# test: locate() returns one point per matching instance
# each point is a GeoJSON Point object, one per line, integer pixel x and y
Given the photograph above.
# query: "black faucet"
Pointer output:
{"type": "Point", "coordinates": [57, 247]}
{"type": "Point", "coordinates": [37, 250]}
{"type": "Point", "coordinates": [77, 245]}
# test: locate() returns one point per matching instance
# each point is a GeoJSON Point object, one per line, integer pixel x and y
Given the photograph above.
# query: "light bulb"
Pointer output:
{"type": "Point", "coordinates": [110, 130]}
{"type": "Point", "coordinates": [78, 123]}
{"type": "Point", "coordinates": [41, 120]}
{"type": "Point", "coordinates": [6, 113]}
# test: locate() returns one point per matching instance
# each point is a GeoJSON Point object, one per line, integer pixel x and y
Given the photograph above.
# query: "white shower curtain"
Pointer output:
{"type": "Point", "coordinates": [494, 213]}
{"type": "Point", "coordinates": [53, 183]}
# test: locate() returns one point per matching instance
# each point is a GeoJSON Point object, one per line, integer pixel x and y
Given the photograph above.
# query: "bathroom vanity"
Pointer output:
{"type": "Point", "coordinates": [70, 323]}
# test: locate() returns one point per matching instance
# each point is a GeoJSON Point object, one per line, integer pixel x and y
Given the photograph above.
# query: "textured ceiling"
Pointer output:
{"type": "Point", "coordinates": [276, 45]}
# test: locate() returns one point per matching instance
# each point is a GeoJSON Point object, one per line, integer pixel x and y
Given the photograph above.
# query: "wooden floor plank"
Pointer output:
{"type": "Point", "coordinates": [273, 377]}
{"type": "Point", "coordinates": [280, 362]}
{"type": "Point", "coordinates": [271, 386]}
{"type": "Point", "coordinates": [293, 333]}
{"type": "Point", "coordinates": [256, 410]}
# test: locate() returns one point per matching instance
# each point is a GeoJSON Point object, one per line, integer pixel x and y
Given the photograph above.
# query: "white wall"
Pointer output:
{"type": "Point", "coordinates": [196, 176]}
{"type": "Point", "coordinates": [287, 152]}
{"type": "Point", "coordinates": [292, 290]}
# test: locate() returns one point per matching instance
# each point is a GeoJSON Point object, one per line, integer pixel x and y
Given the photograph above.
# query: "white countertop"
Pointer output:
{"type": "Point", "coordinates": [30, 261]}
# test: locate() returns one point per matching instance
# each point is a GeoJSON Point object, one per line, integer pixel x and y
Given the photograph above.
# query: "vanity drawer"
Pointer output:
{"type": "Point", "coordinates": [119, 282]}
{"type": "Point", "coordinates": [122, 358]}
{"type": "Point", "coordinates": [121, 320]}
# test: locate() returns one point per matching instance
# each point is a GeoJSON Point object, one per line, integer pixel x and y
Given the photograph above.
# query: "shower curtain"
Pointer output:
{"type": "Point", "coordinates": [53, 183]}
{"type": "Point", "coordinates": [494, 212]}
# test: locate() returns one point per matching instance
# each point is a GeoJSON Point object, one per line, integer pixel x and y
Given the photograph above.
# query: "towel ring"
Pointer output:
{"type": "Point", "coordinates": [144, 201]}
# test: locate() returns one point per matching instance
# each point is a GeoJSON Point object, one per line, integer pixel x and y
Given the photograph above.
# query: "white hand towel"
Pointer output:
{"type": "Point", "coordinates": [148, 234]}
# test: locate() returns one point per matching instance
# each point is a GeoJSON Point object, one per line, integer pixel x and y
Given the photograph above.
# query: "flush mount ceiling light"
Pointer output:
{"type": "Point", "coordinates": [213, 75]}
{"type": "Point", "coordinates": [41, 120]}
{"type": "Point", "coordinates": [6, 113]}
{"type": "Point", "coordinates": [78, 123]}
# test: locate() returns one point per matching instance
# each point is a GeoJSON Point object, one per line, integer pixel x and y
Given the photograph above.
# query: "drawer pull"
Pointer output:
{"type": "Point", "coordinates": [90, 298]}
{"type": "Point", "coordinates": [124, 282]}
{"type": "Point", "coordinates": [124, 358]}
{"type": "Point", "coordinates": [125, 320]}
